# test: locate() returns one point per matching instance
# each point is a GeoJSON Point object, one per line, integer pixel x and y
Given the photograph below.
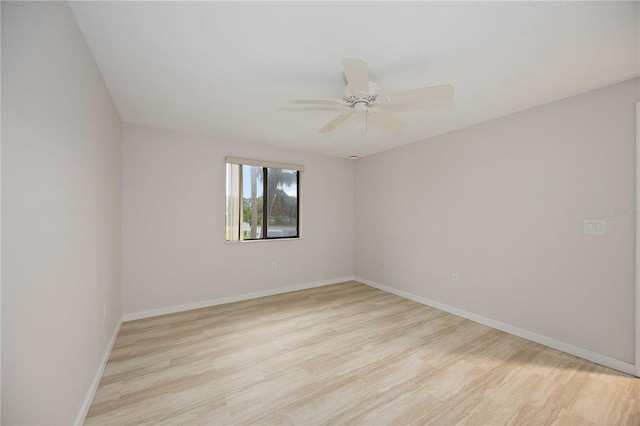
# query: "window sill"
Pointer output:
{"type": "Point", "coordinates": [270, 240]}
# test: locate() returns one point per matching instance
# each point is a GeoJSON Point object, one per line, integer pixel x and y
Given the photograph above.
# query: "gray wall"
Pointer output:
{"type": "Point", "coordinates": [61, 160]}
{"type": "Point", "coordinates": [502, 204]}
{"type": "Point", "coordinates": [173, 248]}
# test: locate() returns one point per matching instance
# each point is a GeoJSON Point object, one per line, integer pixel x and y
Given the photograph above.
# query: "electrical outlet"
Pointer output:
{"type": "Point", "coordinates": [274, 266]}
{"type": "Point", "coordinates": [455, 278]}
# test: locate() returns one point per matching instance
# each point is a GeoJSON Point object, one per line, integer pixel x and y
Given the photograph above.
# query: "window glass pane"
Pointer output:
{"type": "Point", "coordinates": [261, 202]}
{"type": "Point", "coordinates": [252, 202]}
{"type": "Point", "coordinates": [233, 202]}
{"type": "Point", "coordinates": [282, 203]}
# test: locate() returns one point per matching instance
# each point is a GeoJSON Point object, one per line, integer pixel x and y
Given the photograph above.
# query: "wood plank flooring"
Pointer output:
{"type": "Point", "coordinates": [347, 354]}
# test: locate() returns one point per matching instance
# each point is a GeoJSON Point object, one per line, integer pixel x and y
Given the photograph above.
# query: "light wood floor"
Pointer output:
{"type": "Point", "coordinates": [347, 354]}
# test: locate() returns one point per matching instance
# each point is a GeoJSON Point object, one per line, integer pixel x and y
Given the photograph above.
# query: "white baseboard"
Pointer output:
{"type": "Point", "coordinates": [96, 379]}
{"type": "Point", "coordinates": [213, 302]}
{"type": "Point", "coordinates": [607, 361]}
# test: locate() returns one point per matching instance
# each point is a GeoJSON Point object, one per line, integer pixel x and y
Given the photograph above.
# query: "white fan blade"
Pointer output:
{"type": "Point", "coordinates": [336, 122]}
{"type": "Point", "coordinates": [387, 120]}
{"type": "Point", "coordinates": [357, 73]}
{"type": "Point", "coordinates": [430, 104]}
{"type": "Point", "coordinates": [311, 101]}
{"type": "Point", "coordinates": [421, 94]}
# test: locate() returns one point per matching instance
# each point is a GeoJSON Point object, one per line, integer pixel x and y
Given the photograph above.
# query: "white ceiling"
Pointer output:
{"type": "Point", "coordinates": [219, 68]}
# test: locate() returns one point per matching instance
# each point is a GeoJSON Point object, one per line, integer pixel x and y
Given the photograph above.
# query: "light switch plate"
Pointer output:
{"type": "Point", "coordinates": [595, 227]}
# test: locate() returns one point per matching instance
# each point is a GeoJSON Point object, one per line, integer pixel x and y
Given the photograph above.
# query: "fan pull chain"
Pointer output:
{"type": "Point", "coordinates": [366, 125]}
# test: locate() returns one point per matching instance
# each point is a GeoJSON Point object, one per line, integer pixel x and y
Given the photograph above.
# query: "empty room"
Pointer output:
{"type": "Point", "coordinates": [305, 213]}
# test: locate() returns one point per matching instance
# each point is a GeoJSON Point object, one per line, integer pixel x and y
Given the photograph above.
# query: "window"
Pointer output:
{"type": "Point", "coordinates": [253, 216]}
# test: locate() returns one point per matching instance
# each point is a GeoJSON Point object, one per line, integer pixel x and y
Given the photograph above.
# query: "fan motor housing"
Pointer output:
{"type": "Point", "coordinates": [351, 96]}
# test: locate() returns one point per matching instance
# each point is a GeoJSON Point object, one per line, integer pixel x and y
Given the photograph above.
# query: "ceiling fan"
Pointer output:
{"type": "Point", "coordinates": [361, 95]}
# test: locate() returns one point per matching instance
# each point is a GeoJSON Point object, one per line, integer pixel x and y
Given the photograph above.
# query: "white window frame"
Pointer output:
{"type": "Point", "coordinates": [234, 204]}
